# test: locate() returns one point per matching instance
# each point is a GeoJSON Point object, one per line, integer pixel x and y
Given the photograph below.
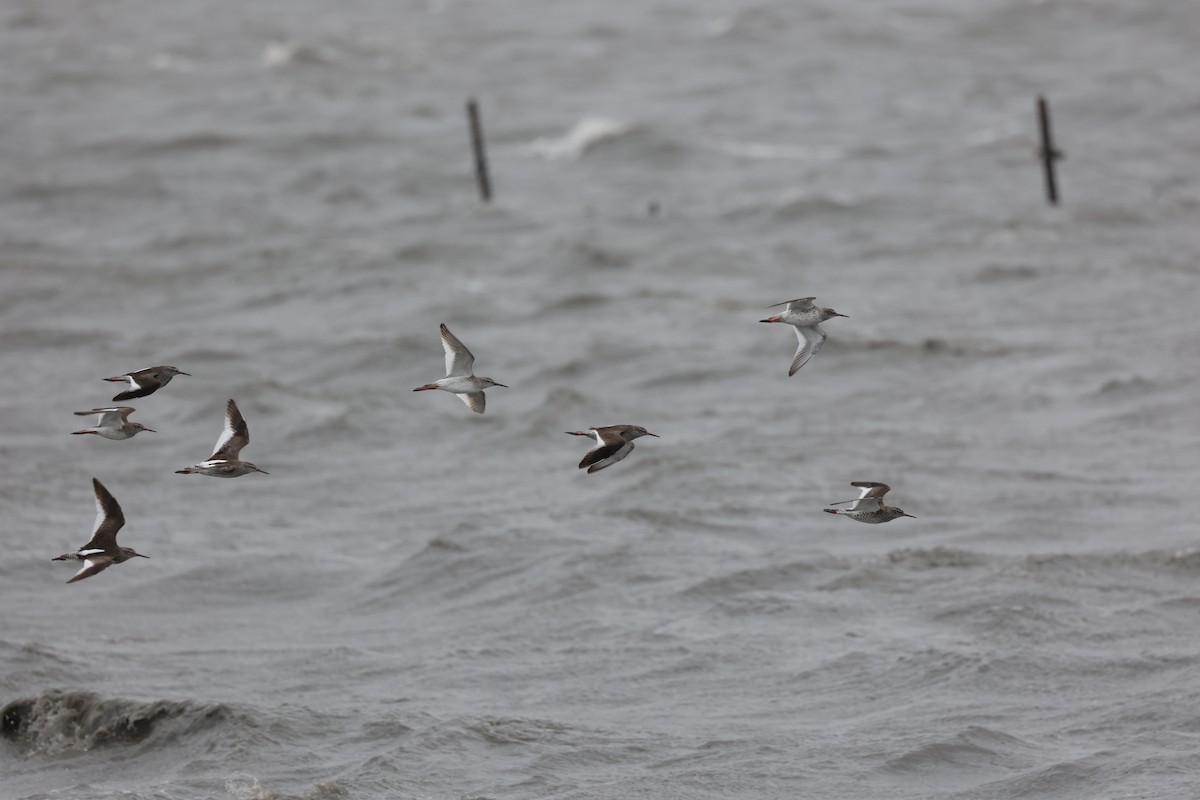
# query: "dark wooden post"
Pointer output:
{"type": "Point", "coordinates": [1048, 153]}
{"type": "Point", "coordinates": [481, 166]}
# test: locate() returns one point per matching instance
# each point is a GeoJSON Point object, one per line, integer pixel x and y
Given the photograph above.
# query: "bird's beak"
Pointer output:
{"type": "Point", "coordinates": [263, 471]}
{"type": "Point", "coordinates": [181, 372]}
{"type": "Point", "coordinates": [771, 319]}
{"type": "Point", "coordinates": [151, 430]}
{"type": "Point", "coordinates": [908, 515]}
{"type": "Point", "coordinates": [836, 314]}
{"type": "Point", "coordinates": [139, 555]}
{"type": "Point", "coordinates": [655, 435]}
{"type": "Point", "coordinates": [501, 385]}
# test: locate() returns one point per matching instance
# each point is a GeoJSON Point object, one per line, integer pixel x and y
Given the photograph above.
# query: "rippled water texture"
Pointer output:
{"type": "Point", "coordinates": [422, 602]}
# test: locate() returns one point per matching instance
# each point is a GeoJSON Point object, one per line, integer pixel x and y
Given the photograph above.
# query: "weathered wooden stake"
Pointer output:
{"type": "Point", "coordinates": [1048, 153]}
{"type": "Point", "coordinates": [481, 166]}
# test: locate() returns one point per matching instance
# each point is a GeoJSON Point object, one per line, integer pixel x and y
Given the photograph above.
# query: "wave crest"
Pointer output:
{"type": "Point", "coordinates": [587, 134]}
{"type": "Point", "coordinates": [66, 722]}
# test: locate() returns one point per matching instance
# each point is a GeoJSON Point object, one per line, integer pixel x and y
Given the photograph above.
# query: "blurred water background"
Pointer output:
{"type": "Point", "coordinates": [420, 602]}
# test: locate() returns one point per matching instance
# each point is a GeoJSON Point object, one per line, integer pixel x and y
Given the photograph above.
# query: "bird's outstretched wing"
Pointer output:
{"type": "Point", "coordinates": [459, 361]}
{"type": "Point", "coordinates": [234, 436]}
{"type": "Point", "coordinates": [810, 341]}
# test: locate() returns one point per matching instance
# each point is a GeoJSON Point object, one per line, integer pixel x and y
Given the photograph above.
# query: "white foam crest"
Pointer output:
{"type": "Point", "coordinates": [586, 134]}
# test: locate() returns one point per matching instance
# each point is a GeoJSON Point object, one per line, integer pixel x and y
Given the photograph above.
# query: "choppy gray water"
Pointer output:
{"type": "Point", "coordinates": [419, 602]}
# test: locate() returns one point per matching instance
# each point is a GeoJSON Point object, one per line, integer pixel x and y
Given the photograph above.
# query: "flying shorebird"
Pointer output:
{"type": "Point", "coordinates": [224, 463]}
{"type": "Point", "coordinates": [613, 442]}
{"type": "Point", "coordinates": [145, 381]}
{"type": "Point", "coordinates": [868, 506]}
{"type": "Point", "coordinates": [113, 423]}
{"type": "Point", "coordinates": [460, 374]}
{"type": "Point", "coordinates": [102, 551]}
{"type": "Point", "coordinates": [802, 315]}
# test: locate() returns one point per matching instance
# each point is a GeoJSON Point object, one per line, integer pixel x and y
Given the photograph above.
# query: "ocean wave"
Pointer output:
{"type": "Point", "coordinates": [1110, 215]}
{"type": "Point", "coordinates": [580, 301]}
{"type": "Point", "coordinates": [929, 346]}
{"type": "Point", "coordinates": [936, 558]}
{"type": "Point", "coordinates": [889, 575]}
{"type": "Point", "coordinates": [762, 151]}
{"type": "Point", "coordinates": [1135, 386]}
{"type": "Point", "coordinates": [202, 141]}
{"type": "Point", "coordinates": [974, 748]}
{"type": "Point", "coordinates": [596, 355]}
{"type": "Point", "coordinates": [248, 787]}
{"type": "Point", "coordinates": [1002, 273]}
{"type": "Point", "coordinates": [1027, 617]}
{"type": "Point", "coordinates": [790, 576]}
{"type": "Point", "coordinates": [800, 204]}
{"type": "Point", "coordinates": [61, 722]}
{"type": "Point", "coordinates": [464, 733]}
{"type": "Point", "coordinates": [501, 730]}
{"type": "Point", "coordinates": [47, 337]}
{"type": "Point", "coordinates": [559, 401]}
{"type": "Point", "coordinates": [891, 572]}
{"type": "Point", "coordinates": [1153, 560]}
{"type": "Point", "coordinates": [277, 55]}
{"type": "Point", "coordinates": [753, 23]}
{"type": "Point", "coordinates": [586, 135]}
{"type": "Point", "coordinates": [133, 185]}
{"type": "Point", "coordinates": [441, 566]}
{"type": "Point", "coordinates": [324, 141]}
{"type": "Point", "coordinates": [1188, 560]}
{"type": "Point", "coordinates": [672, 518]}
{"type": "Point", "coordinates": [581, 255]}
